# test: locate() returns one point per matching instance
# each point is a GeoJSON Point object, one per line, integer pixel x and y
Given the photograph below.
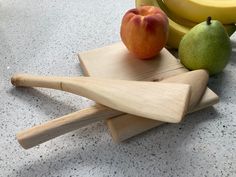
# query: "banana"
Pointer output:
{"type": "Point", "coordinates": [139, 3]}
{"type": "Point", "coordinates": [198, 10]}
{"type": "Point", "coordinates": [173, 16]}
{"type": "Point", "coordinates": [178, 26]}
{"type": "Point", "coordinates": [230, 28]}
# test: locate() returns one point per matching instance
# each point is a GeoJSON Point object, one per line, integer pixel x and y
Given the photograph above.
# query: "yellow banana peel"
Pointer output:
{"type": "Point", "coordinates": [178, 26]}
{"type": "Point", "coordinates": [198, 10]}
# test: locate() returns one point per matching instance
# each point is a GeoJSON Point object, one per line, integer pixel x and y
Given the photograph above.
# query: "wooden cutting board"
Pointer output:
{"type": "Point", "coordinates": [115, 62]}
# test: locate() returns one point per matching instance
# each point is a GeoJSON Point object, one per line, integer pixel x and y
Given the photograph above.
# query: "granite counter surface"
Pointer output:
{"type": "Point", "coordinates": [43, 37]}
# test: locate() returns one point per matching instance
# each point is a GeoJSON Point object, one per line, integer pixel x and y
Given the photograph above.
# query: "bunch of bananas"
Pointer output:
{"type": "Point", "coordinates": [185, 14]}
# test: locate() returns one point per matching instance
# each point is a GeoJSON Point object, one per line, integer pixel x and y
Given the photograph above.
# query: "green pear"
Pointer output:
{"type": "Point", "coordinates": [206, 46]}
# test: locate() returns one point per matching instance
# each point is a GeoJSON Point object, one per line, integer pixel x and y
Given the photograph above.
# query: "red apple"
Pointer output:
{"type": "Point", "coordinates": [144, 31]}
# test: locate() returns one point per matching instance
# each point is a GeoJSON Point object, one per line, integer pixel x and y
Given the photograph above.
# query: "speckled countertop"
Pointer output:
{"type": "Point", "coordinates": [42, 37]}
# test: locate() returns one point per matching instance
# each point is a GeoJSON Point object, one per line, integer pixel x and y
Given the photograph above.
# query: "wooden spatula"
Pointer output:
{"type": "Point", "coordinates": [159, 101]}
{"type": "Point", "coordinates": [59, 126]}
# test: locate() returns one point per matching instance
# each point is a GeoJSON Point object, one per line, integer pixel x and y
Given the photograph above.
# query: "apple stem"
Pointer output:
{"type": "Point", "coordinates": [209, 20]}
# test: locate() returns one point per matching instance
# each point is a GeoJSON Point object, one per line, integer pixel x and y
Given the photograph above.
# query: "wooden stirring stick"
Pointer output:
{"type": "Point", "coordinates": [158, 101]}
{"type": "Point", "coordinates": [36, 135]}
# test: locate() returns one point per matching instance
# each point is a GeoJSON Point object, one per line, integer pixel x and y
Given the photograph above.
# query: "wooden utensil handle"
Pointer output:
{"type": "Point", "coordinates": [36, 135]}
{"type": "Point", "coordinates": [27, 80]}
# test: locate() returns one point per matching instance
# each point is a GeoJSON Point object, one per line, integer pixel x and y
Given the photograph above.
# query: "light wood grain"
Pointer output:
{"type": "Point", "coordinates": [115, 62]}
{"type": "Point", "coordinates": [158, 101]}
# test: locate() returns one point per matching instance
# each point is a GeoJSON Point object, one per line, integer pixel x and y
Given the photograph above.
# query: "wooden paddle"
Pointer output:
{"type": "Point", "coordinates": [159, 101]}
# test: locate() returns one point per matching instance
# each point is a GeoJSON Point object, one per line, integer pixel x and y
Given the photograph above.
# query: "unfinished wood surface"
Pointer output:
{"type": "Point", "coordinates": [154, 100]}
{"type": "Point", "coordinates": [115, 62]}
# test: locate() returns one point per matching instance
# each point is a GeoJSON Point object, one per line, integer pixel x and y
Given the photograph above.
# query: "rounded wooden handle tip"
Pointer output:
{"type": "Point", "coordinates": [21, 141]}
{"type": "Point", "coordinates": [15, 79]}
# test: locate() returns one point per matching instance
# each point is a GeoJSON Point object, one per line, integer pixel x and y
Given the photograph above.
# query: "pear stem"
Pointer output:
{"type": "Point", "coordinates": [209, 20]}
